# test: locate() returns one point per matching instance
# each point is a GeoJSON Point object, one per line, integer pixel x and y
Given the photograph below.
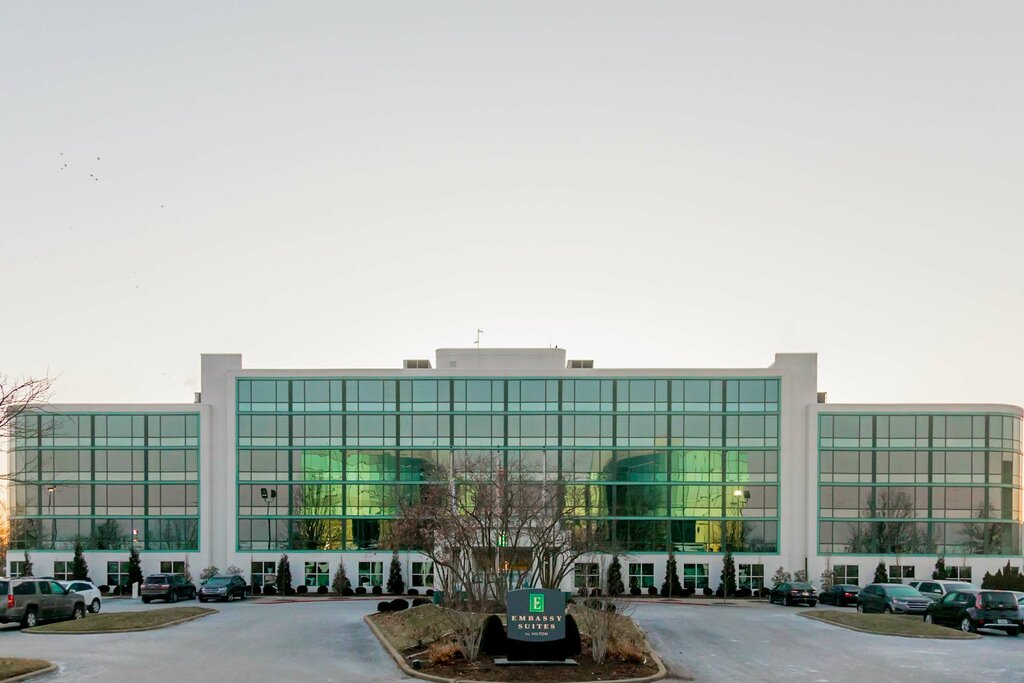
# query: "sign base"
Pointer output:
{"type": "Point", "coordinates": [502, 661]}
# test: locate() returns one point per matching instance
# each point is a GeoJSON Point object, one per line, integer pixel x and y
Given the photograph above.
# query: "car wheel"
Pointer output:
{"type": "Point", "coordinates": [145, 601]}
{"type": "Point", "coordinates": [202, 599]}
{"type": "Point", "coordinates": [812, 603]}
{"type": "Point", "coordinates": [78, 612]}
{"type": "Point", "coordinates": [192, 594]}
{"type": "Point", "coordinates": [172, 597]}
{"type": "Point", "coordinates": [94, 606]}
{"type": "Point", "coordinates": [30, 619]}
{"type": "Point", "coordinates": [888, 609]}
{"type": "Point", "coordinates": [860, 608]}
{"type": "Point", "coordinates": [966, 625]}
{"type": "Point", "coordinates": [928, 619]}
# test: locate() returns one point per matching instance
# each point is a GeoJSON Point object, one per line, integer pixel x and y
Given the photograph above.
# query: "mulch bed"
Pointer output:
{"type": "Point", "coordinates": [485, 670]}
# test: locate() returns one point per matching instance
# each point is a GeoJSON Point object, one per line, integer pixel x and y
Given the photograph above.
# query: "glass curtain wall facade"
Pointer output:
{"type": "Point", "coordinates": [919, 484]}
{"type": "Point", "coordinates": [113, 481]}
{"type": "Point", "coordinates": [685, 464]}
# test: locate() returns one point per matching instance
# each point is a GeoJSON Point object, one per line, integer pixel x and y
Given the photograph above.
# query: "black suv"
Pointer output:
{"type": "Point", "coordinates": [792, 592]}
{"type": "Point", "coordinates": [169, 587]}
{"type": "Point", "coordinates": [226, 588]}
{"type": "Point", "coordinates": [971, 610]}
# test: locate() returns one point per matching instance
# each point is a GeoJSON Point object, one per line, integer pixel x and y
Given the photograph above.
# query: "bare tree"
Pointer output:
{"type": "Point", "coordinates": [18, 395]}
{"type": "Point", "coordinates": [984, 537]}
{"type": "Point", "coordinates": [487, 529]}
{"type": "Point", "coordinates": [601, 619]}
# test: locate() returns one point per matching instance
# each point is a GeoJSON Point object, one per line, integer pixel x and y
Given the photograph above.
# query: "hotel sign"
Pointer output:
{"type": "Point", "coordinates": [536, 614]}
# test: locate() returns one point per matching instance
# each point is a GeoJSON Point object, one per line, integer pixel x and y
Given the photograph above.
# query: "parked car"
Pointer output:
{"type": "Point", "coordinates": [30, 601]}
{"type": "Point", "coordinates": [792, 592]}
{"type": "Point", "coordinates": [169, 587]}
{"type": "Point", "coordinates": [840, 595]}
{"type": "Point", "coordinates": [226, 588]}
{"type": "Point", "coordinates": [88, 591]}
{"type": "Point", "coordinates": [892, 598]}
{"type": "Point", "coordinates": [974, 609]}
{"type": "Point", "coordinates": [936, 590]}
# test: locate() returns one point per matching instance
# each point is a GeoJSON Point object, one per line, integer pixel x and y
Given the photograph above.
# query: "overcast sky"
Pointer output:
{"type": "Point", "coordinates": [646, 184]}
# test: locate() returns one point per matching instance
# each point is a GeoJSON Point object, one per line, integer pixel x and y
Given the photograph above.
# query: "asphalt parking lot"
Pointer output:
{"type": "Point", "coordinates": [327, 641]}
{"type": "Point", "coordinates": [718, 644]}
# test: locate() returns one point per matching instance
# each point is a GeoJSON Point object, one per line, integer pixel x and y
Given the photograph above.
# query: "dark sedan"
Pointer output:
{"type": "Point", "coordinates": [793, 592]}
{"type": "Point", "coordinates": [971, 610]}
{"type": "Point", "coordinates": [226, 588]}
{"type": "Point", "coordinates": [840, 595]}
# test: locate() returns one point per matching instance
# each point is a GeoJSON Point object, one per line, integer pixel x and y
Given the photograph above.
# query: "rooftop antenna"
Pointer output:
{"type": "Point", "coordinates": [478, 333]}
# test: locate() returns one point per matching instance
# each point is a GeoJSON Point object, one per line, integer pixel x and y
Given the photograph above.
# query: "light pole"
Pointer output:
{"type": "Point", "coordinates": [50, 491]}
{"type": "Point", "coordinates": [268, 495]}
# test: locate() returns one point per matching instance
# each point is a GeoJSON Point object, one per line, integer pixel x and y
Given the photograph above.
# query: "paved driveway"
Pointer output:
{"type": "Point", "coordinates": [771, 643]}
{"type": "Point", "coordinates": [246, 643]}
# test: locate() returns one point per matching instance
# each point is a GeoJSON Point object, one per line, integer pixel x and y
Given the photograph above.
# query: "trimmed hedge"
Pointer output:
{"type": "Point", "coordinates": [383, 606]}
{"type": "Point", "coordinates": [269, 589]}
{"type": "Point", "coordinates": [361, 590]}
{"type": "Point", "coordinates": [321, 590]}
{"type": "Point", "coordinates": [399, 604]}
{"type": "Point", "coordinates": [420, 601]}
{"type": "Point", "coordinates": [651, 590]}
{"type": "Point", "coordinates": [302, 590]}
{"type": "Point", "coordinates": [377, 590]}
{"type": "Point", "coordinates": [635, 590]}
{"type": "Point", "coordinates": [412, 591]}
{"type": "Point", "coordinates": [347, 592]}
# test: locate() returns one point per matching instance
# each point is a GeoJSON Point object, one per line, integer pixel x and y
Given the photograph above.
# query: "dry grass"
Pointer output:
{"type": "Point", "coordinates": [123, 621]}
{"type": "Point", "coordinates": [413, 627]}
{"type": "Point", "coordinates": [628, 651]}
{"type": "Point", "coordinates": [442, 652]}
{"type": "Point", "coordinates": [16, 666]}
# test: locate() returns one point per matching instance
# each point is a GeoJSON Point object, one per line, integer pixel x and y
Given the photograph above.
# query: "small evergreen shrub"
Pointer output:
{"type": "Point", "coordinates": [493, 639]}
{"type": "Point", "coordinates": [595, 592]}
{"type": "Point", "coordinates": [635, 590]}
{"type": "Point", "coordinates": [420, 601]}
{"type": "Point", "coordinates": [269, 589]}
{"type": "Point", "coordinates": [104, 589]}
{"type": "Point", "coordinates": [347, 592]}
{"type": "Point", "coordinates": [361, 590]}
{"type": "Point", "coordinates": [396, 584]}
{"type": "Point", "coordinates": [707, 591]}
{"type": "Point", "coordinates": [256, 590]}
{"type": "Point", "coordinates": [429, 591]}
{"type": "Point", "coordinates": [651, 590]}
{"type": "Point", "coordinates": [383, 606]}
{"type": "Point", "coordinates": [302, 590]}
{"type": "Point", "coordinates": [377, 590]}
{"type": "Point", "coordinates": [321, 590]}
{"type": "Point", "coordinates": [413, 591]}
{"type": "Point", "coordinates": [743, 592]}
{"type": "Point", "coordinates": [289, 591]}
{"type": "Point", "coordinates": [399, 604]}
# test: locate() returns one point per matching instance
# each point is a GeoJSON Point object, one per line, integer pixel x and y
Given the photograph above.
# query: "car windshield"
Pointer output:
{"type": "Point", "coordinates": [218, 581]}
{"type": "Point", "coordinates": [4, 586]}
{"type": "Point", "coordinates": [800, 586]}
{"type": "Point", "coordinates": [848, 587]}
{"type": "Point", "coordinates": [998, 600]}
{"type": "Point", "coordinates": [951, 587]}
{"type": "Point", "coordinates": [902, 592]}
{"type": "Point", "coordinates": [159, 578]}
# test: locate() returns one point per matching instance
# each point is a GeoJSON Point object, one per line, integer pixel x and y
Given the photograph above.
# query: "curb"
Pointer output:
{"type": "Point", "coordinates": [409, 671]}
{"type": "Point", "coordinates": [815, 617]}
{"type": "Point", "coordinates": [119, 630]}
{"type": "Point", "coordinates": [30, 675]}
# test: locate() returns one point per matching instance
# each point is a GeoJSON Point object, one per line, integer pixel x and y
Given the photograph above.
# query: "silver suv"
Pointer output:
{"type": "Point", "coordinates": [30, 601]}
{"type": "Point", "coordinates": [937, 589]}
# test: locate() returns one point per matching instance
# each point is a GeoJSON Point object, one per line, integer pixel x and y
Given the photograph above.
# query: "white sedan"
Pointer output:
{"type": "Point", "coordinates": [88, 591]}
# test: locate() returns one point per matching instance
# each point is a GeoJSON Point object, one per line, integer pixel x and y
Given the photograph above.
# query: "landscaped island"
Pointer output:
{"type": "Point", "coordinates": [422, 638]}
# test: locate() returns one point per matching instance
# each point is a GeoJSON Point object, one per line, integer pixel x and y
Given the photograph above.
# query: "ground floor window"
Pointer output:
{"type": "Point", "coordinates": [846, 573]}
{"type": "Point", "coordinates": [588, 575]}
{"type": "Point", "coordinates": [750, 576]}
{"type": "Point", "coordinates": [17, 569]}
{"type": "Point", "coordinates": [422, 574]}
{"type": "Point", "coordinates": [318, 573]}
{"type": "Point", "coordinates": [959, 573]}
{"type": "Point", "coordinates": [695, 576]}
{"type": "Point", "coordinates": [264, 573]}
{"type": "Point", "coordinates": [900, 571]}
{"type": "Point", "coordinates": [641, 574]}
{"type": "Point", "coordinates": [117, 574]}
{"type": "Point", "coordinates": [172, 567]}
{"type": "Point", "coordinates": [62, 570]}
{"type": "Point", "coordinates": [371, 574]}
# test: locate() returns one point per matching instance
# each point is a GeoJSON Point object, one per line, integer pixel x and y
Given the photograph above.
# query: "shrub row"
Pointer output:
{"type": "Point", "coordinates": [396, 605]}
